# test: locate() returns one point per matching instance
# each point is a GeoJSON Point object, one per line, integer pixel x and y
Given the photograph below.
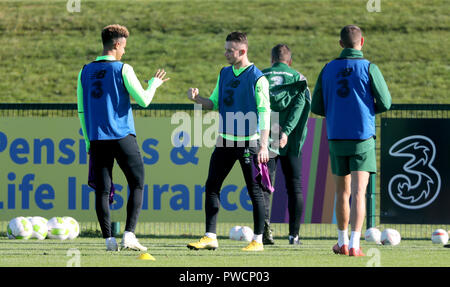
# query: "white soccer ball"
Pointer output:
{"type": "Point", "coordinates": [58, 228]}
{"type": "Point", "coordinates": [74, 227]}
{"type": "Point", "coordinates": [19, 228]}
{"type": "Point", "coordinates": [373, 235]}
{"type": "Point", "coordinates": [439, 236]}
{"type": "Point", "coordinates": [245, 234]}
{"type": "Point", "coordinates": [235, 232]}
{"type": "Point", "coordinates": [40, 228]}
{"type": "Point", "coordinates": [390, 236]}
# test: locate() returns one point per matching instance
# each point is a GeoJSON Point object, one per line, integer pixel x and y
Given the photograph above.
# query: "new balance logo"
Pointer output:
{"type": "Point", "coordinates": [100, 74]}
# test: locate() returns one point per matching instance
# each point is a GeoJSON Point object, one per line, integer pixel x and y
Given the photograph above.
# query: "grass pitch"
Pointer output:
{"type": "Point", "coordinates": [172, 252]}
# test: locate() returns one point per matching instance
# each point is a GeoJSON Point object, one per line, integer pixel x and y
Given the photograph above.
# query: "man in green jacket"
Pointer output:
{"type": "Point", "coordinates": [349, 92]}
{"type": "Point", "coordinates": [290, 105]}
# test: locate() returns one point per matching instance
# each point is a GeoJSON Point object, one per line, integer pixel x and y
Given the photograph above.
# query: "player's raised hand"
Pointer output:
{"type": "Point", "coordinates": [160, 74]}
{"type": "Point", "coordinates": [192, 94]}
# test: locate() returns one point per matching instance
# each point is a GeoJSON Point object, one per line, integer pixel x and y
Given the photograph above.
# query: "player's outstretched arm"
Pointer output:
{"type": "Point", "coordinates": [134, 88]}
{"type": "Point", "coordinates": [193, 95]}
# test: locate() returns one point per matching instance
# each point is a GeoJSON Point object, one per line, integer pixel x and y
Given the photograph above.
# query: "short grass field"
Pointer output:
{"type": "Point", "coordinates": [172, 252]}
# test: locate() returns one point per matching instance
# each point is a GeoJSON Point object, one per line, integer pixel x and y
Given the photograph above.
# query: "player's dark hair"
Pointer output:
{"type": "Point", "coordinates": [238, 37]}
{"type": "Point", "coordinates": [112, 33]}
{"type": "Point", "coordinates": [281, 53]}
{"type": "Point", "coordinates": [351, 36]}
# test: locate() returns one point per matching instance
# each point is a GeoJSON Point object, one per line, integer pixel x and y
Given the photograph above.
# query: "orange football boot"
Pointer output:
{"type": "Point", "coordinates": [343, 250]}
{"type": "Point", "coordinates": [354, 252]}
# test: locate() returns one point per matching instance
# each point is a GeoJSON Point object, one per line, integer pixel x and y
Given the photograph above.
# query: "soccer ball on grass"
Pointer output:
{"type": "Point", "coordinates": [245, 234]}
{"type": "Point", "coordinates": [40, 228]}
{"type": "Point", "coordinates": [234, 232]}
{"type": "Point", "coordinates": [439, 236]}
{"type": "Point", "coordinates": [58, 228]}
{"type": "Point", "coordinates": [390, 236]}
{"type": "Point", "coordinates": [74, 227]}
{"type": "Point", "coordinates": [373, 235]}
{"type": "Point", "coordinates": [19, 228]}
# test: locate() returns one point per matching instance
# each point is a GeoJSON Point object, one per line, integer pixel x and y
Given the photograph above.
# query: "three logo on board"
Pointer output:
{"type": "Point", "coordinates": [419, 183]}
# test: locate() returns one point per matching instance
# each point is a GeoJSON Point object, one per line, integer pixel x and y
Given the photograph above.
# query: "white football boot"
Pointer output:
{"type": "Point", "coordinates": [129, 241]}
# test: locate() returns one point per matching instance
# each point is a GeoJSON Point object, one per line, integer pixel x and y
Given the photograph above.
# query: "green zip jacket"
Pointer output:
{"type": "Point", "coordinates": [382, 101]}
{"type": "Point", "coordinates": [293, 104]}
{"type": "Point", "coordinates": [291, 99]}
